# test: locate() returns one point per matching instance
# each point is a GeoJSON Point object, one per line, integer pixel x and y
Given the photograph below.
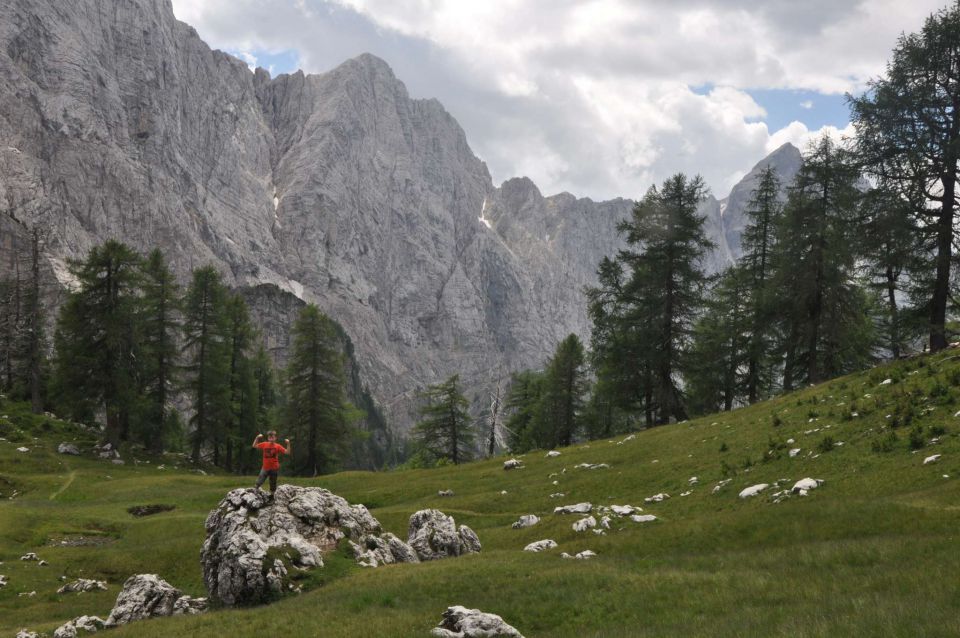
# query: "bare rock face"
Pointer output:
{"type": "Point", "coordinates": [460, 622]}
{"type": "Point", "coordinates": [253, 541]}
{"type": "Point", "coordinates": [147, 595]}
{"type": "Point", "coordinates": [434, 535]}
{"type": "Point", "coordinates": [117, 121]}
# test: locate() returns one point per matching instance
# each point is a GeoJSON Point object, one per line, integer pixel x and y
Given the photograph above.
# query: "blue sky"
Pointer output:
{"type": "Point", "coordinates": [600, 98]}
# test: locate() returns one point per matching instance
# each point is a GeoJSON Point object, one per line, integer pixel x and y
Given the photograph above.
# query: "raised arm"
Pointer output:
{"type": "Point", "coordinates": [286, 444]}
{"type": "Point", "coordinates": [256, 441]}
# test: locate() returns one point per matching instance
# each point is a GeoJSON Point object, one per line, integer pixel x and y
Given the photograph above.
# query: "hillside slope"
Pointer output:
{"type": "Point", "coordinates": [871, 552]}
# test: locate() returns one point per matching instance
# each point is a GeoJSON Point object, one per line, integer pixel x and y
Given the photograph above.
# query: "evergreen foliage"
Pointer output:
{"type": "Point", "coordinates": [445, 429]}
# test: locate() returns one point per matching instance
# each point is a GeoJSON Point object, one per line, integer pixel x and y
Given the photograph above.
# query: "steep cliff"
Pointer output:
{"type": "Point", "coordinates": [118, 121]}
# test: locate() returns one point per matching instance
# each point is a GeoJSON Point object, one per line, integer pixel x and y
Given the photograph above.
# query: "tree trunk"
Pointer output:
{"type": "Point", "coordinates": [894, 313]}
{"type": "Point", "coordinates": [941, 287]}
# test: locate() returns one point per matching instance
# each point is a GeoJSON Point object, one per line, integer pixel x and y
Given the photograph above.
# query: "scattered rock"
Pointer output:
{"type": "Point", "coordinates": [23, 633]}
{"type": "Point", "coordinates": [557, 495]}
{"type": "Point", "coordinates": [118, 461]}
{"type": "Point", "coordinates": [527, 520]}
{"type": "Point", "coordinates": [605, 522]}
{"type": "Point", "coordinates": [3, 581]}
{"type": "Point", "coordinates": [445, 493]}
{"type": "Point", "coordinates": [460, 622]}
{"type": "Point", "coordinates": [434, 535]}
{"type": "Point", "coordinates": [584, 555]}
{"type": "Point", "coordinates": [148, 596]}
{"type": "Point", "coordinates": [657, 498]}
{"type": "Point", "coordinates": [83, 585]}
{"type": "Point", "coordinates": [624, 510]}
{"type": "Point", "coordinates": [719, 486]}
{"type": "Point", "coordinates": [87, 624]}
{"type": "Point", "coordinates": [886, 382]}
{"type": "Point", "coordinates": [584, 524]}
{"type": "Point", "coordinates": [42, 563]}
{"type": "Point", "coordinates": [629, 437]}
{"type": "Point", "coordinates": [30, 556]}
{"type": "Point", "coordinates": [693, 480]}
{"type": "Point", "coordinates": [149, 510]}
{"type": "Point", "coordinates": [803, 486]}
{"type": "Point", "coordinates": [512, 464]}
{"type": "Point", "coordinates": [23, 449]}
{"type": "Point", "coordinates": [552, 454]}
{"type": "Point", "coordinates": [386, 549]}
{"type": "Point", "coordinates": [931, 459]}
{"type": "Point", "coordinates": [687, 493]}
{"type": "Point", "coordinates": [591, 466]}
{"type": "Point", "coordinates": [28, 594]}
{"type": "Point", "coordinates": [753, 490]}
{"type": "Point", "coordinates": [68, 448]}
{"type": "Point", "coordinates": [795, 451]}
{"type": "Point", "coordinates": [540, 546]}
{"type": "Point", "coordinates": [253, 541]}
{"type": "Point", "coordinates": [579, 508]}
{"type": "Point", "coordinates": [643, 518]}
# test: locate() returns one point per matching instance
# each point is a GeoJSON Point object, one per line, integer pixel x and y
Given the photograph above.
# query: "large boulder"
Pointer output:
{"type": "Point", "coordinates": [68, 448]}
{"type": "Point", "coordinates": [254, 542]}
{"type": "Point", "coordinates": [385, 549]}
{"type": "Point", "coordinates": [79, 626]}
{"type": "Point", "coordinates": [460, 622]}
{"type": "Point", "coordinates": [148, 595]}
{"type": "Point", "coordinates": [434, 535]}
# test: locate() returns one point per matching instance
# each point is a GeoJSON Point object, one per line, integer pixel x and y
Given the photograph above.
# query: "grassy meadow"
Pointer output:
{"type": "Point", "coordinates": [873, 552]}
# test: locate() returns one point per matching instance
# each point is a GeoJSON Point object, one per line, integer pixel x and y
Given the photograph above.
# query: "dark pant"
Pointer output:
{"type": "Point", "coordinates": [273, 479]}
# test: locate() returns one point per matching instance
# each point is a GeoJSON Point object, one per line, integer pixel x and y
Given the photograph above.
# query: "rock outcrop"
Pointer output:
{"type": "Point", "coordinates": [434, 535]}
{"type": "Point", "coordinates": [79, 626]}
{"type": "Point", "coordinates": [147, 596]}
{"type": "Point", "coordinates": [83, 585]}
{"type": "Point", "coordinates": [253, 541]}
{"type": "Point", "coordinates": [117, 121]}
{"type": "Point", "coordinates": [460, 622]}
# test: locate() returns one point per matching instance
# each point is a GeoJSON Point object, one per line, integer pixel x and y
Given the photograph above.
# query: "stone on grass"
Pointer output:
{"type": "Point", "coordinates": [254, 542]}
{"type": "Point", "coordinates": [83, 585]}
{"type": "Point", "coordinates": [803, 486]}
{"type": "Point", "coordinates": [624, 510]}
{"type": "Point", "coordinates": [385, 549]}
{"type": "Point", "coordinates": [527, 520]}
{"type": "Point", "coordinates": [79, 625]}
{"type": "Point", "coordinates": [445, 493]}
{"type": "Point", "coordinates": [579, 508]}
{"type": "Point", "coordinates": [795, 451]}
{"type": "Point", "coordinates": [24, 633]}
{"type": "Point", "coordinates": [539, 546]}
{"type": "Point", "coordinates": [143, 596]}
{"type": "Point", "coordinates": [23, 449]}
{"type": "Point", "coordinates": [552, 454]}
{"type": "Point", "coordinates": [584, 555]}
{"type": "Point", "coordinates": [693, 480]}
{"type": "Point", "coordinates": [460, 622]}
{"type": "Point", "coordinates": [512, 464]}
{"type": "Point", "coordinates": [643, 518]}
{"type": "Point", "coordinates": [591, 466]}
{"type": "Point", "coordinates": [886, 382]}
{"type": "Point", "coordinates": [584, 524]}
{"type": "Point", "coordinates": [657, 498]}
{"type": "Point", "coordinates": [68, 448]}
{"type": "Point", "coordinates": [557, 495]}
{"type": "Point", "coordinates": [30, 556]}
{"type": "Point", "coordinates": [753, 490]}
{"type": "Point", "coordinates": [931, 459]}
{"type": "Point", "coordinates": [434, 535]}
{"type": "Point", "coordinates": [3, 581]}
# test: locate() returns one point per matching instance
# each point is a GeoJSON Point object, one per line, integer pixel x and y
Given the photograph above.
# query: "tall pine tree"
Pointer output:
{"type": "Point", "coordinates": [445, 429]}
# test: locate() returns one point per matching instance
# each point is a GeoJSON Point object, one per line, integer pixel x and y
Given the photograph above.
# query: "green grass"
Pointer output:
{"type": "Point", "coordinates": [870, 553]}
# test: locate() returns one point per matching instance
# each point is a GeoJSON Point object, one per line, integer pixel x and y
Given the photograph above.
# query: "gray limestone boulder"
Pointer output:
{"type": "Point", "coordinates": [253, 543]}
{"type": "Point", "coordinates": [143, 596]}
{"type": "Point", "coordinates": [460, 622]}
{"type": "Point", "coordinates": [83, 585]}
{"type": "Point", "coordinates": [434, 535]}
{"type": "Point", "coordinates": [68, 448]}
{"type": "Point", "coordinates": [79, 626]}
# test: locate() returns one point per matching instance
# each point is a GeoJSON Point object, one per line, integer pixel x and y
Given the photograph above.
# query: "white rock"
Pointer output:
{"type": "Point", "coordinates": [790, 441]}
{"type": "Point", "coordinates": [753, 490]}
{"type": "Point", "coordinates": [23, 633]}
{"type": "Point", "coordinates": [68, 448]}
{"type": "Point", "coordinates": [584, 524]}
{"type": "Point", "coordinates": [30, 556]}
{"type": "Point", "coordinates": [693, 480]}
{"type": "Point", "coordinates": [931, 459]}
{"type": "Point", "coordinates": [591, 466]}
{"type": "Point", "coordinates": [434, 535]}
{"type": "Point", "coordinates": [87, 624]}
{"type": "Point", "coordinates": [605, 522]}
{"type": "Point", "coordinates": [719, 486]}
{"type": "Point", "coordinates": [657, 498]}
{"type": "Point", "coordinates": [643, 518]}
{"type": "Point", "coordinates": [795, 451]}
{"type": "Point", "coordinates": [527, 520]}
{"type": "Point", "coordinates": [886, 382]}
{"type": "Point", "coordinates": [557, 495]}
{"type": "Point", "coordinates": [579, 508]}
{"type": "Point", "coordinates": [687, 493]}
{"type": "Point", "coordinates": [540, 546]}
{"type": "Point", "coordinates": [83, 585]}
{"type": "Point", "coordinates": [3, 581]}
{"type": "Point", "coordinates": [460, 622]}
{"type": "Point", "coordinates": [552, 454]}
{"type": "Point", "coordinates": [805, 485]}
{"type": "Point", "coordinates": [512, 464]}
{"type": "Point", "coordinates": [624, 510]}
{"type": "Point", "coordinates": [23, 449]}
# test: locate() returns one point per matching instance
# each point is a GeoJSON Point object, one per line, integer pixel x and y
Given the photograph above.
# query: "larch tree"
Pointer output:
{"type": "Point", "coordinates": [445, 429]}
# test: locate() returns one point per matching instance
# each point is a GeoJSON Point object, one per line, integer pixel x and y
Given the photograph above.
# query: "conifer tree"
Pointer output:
{"type": "Point", "coordinates": [96, 364]}
{"type": "Point", "coordinates": [206, 342]}
{"type": "Point", "coordinates": [823, 308]}
{"type": "Point", "coordinates": [659, 290]}
{"type": "Point", "coordinates": [522, 401]}
{"type": "Point", "coordinates": [242, 424]}
{"type": "Point", "coordinates": [763, 213]}
{"type": "Point", "coordinates": [316, 391]}
{"type": "Point", "coordinates": [160, 327]}
{"type": "Point", "coordinates": [908, 137]}
{"type": "Point", "coordinates": [562, 401]}
{"type": "Point", "coordinates": [445, 429]}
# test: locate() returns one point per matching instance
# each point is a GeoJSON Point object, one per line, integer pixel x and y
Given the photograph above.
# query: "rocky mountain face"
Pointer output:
{"type": "Point", "coordinates": [116, 120]}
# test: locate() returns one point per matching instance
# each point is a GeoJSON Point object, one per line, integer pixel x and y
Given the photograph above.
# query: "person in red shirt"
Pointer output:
{"type": "Point", "coordinates": [271, 458]}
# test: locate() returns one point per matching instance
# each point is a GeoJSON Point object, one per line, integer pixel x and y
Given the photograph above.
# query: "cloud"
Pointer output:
{"type": "Point", "coordinates": [597, 97]}
{"type": "Point", "coordinates": [806, 104]}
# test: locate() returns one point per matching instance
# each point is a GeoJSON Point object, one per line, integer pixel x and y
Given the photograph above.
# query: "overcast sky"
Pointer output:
{"type": "Point", "coordinates": [599, 98]}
